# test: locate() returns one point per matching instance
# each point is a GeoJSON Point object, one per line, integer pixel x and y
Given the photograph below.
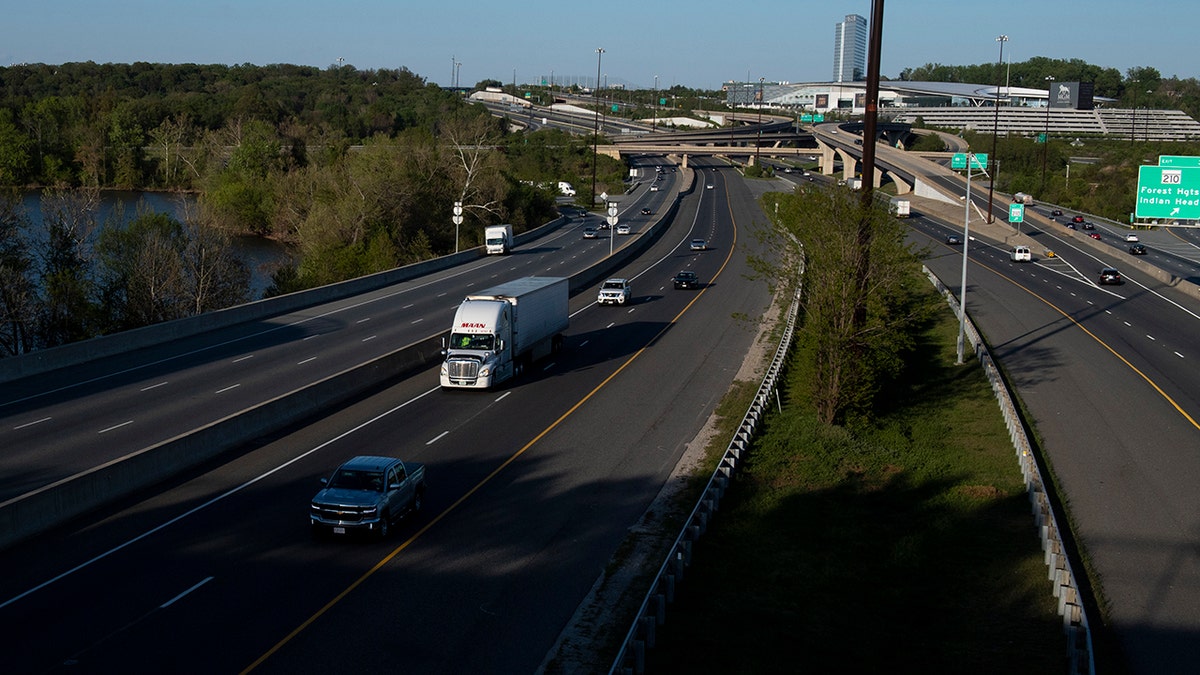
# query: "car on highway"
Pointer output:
{"type": "Point", "coordinates": [708, 186]}
{"type": "Point", "coordinates": [1094, 235]}
{"type": "Point", "coordinates": [1131, 237]}
{"type": "Point", "coordinates": [646, 211]}
{"type": "Point", "coordinates": [622, 229]}
{"type": "Point", "coordinates": [615, 291]}
{"type": "Point", "coordinates": [698, 245]}
{"type": "Point", "coordinates": [1055, 213]}
{"type": "Point", "coordinates": [1071, 226]}
{"type": "Point", "coordinates": [1110, 275]}
{"type": "Point", "coordinates": [367, 494]}
{"type": "Point", "coordinates": [1077, 219]}
{"type": "Point", "coordinates": [1020, 254]}
{"type": "Point", "coordinates": [686, 279]}
{"type": "Point", "coordinates": [953, 239]}
{"type": "Point", "coordinates": [589, 233]}
{"type": "Point", "coordinates": [1137, 249]}
{"type": "Point", "coordinates": [1087, 225]}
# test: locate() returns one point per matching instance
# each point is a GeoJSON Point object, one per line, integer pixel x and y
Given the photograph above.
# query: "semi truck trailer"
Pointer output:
{"type": "Point", "coordinates": [499, 331]}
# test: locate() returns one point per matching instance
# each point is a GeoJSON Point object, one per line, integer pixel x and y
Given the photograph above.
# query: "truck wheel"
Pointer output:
{"type": "Point", "coordinates": [385, 525]}
{"type": "Point", "coordinates": [416, 502]}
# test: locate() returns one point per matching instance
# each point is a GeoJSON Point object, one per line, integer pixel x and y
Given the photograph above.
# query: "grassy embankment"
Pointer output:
{"type": "Point", "coordinates": [907, 546]}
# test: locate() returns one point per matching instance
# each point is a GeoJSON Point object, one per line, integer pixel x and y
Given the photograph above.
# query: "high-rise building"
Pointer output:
{"type": "Point", "coordinates": [850, 49]}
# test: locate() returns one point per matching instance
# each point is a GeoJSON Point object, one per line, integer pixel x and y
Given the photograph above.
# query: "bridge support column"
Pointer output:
{"type": "Point", "coordinates": [849, 164]}
{"type": "Point", "coordinates": [684, 162]}
{"type": "Point", "coordinates": [902, 188]}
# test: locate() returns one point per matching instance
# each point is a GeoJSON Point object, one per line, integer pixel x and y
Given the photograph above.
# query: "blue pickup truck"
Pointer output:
{"type": "Point", "coordinates": [367, 494]}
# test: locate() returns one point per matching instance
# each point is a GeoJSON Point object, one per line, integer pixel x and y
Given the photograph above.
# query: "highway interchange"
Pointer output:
{"type": "Point", "coordinates": [534, 485]}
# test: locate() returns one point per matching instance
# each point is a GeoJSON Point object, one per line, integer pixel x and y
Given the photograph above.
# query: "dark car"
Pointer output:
{"type": "Point", "coordinates": [1056, 212]}
{"type": "Point", "coordinates": [1137, 249]}
{"type": "Point", "coordinates": [646, 212]}
{"type": "Point", "coordinates": [686, 279]}
{"type": "Point", "coordinates": [1088, 225]}
{"type": "Point", "coordinates": [1110, 275]}
{"type": "Point", "coordinates": [953, 239]}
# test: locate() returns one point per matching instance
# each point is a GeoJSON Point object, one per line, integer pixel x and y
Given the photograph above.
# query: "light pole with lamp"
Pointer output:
{"type": "Point", "coordinates": [596, 134]}
{"type": "Point", "coordinates": [1146, 136]}
{"type": "Point", "coordinates": [1133, 118]}
{"type": "Point", "coordinates": [457, 219]}
{"type": "Point", "coordinates": [995, 134]}
{"type": "Point", "coordinates": [654, 105]}
{"type": "Point", "coordinates": [758, 143]}
{"type": "Point", "coordinates": [1046, 134]}
{"type": "Point", "coordinates": [962, 289]}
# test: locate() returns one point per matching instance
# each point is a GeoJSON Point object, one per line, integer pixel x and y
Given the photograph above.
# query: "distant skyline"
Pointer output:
{"type": "Point", "coordinates": [699, 44]}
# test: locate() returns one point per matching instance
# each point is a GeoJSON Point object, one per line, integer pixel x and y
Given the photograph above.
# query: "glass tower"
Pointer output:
{"type": "Point", "coordinates": [850, 49]}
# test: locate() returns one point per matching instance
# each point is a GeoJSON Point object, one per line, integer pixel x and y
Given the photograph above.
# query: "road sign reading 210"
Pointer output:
{"type": "Point", "coordinates": [1169, 192]}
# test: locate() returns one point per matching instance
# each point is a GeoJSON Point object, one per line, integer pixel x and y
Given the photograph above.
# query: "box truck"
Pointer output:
{"type": "Point", "coordinates": [498, 239]}
{"type": "Point", "coordinates": [498, 332]}
{"type": "Point", "coordinates": [900, 207]}
{"type": "Point", "coordinates": [1022, 198]}
{"type": "Point", "coordinates": [566, 188]}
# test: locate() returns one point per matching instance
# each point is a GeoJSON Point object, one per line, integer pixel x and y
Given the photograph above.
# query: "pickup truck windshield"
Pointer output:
{"type": "Point", "coordinates": [345, 479]}
{"type": "Point", "coordinates": [481, 341]}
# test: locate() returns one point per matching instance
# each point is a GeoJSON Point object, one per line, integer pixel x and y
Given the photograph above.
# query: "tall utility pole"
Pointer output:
{"type": "Point", "coordinates": [596, 134]}
{"type": "Point", "coordinates": [870, 113]}
{"type": "Point", "coordinates": [996, 133]}
{"type": "Point", "coordinates": [758, 143]}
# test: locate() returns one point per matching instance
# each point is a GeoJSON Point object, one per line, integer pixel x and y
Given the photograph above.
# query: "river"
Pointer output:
{"type": "Point", "coordinates": [262, 256]}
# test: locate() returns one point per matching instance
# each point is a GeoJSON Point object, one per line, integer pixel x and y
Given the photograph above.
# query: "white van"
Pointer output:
{"type": "Point", "coordinates": [1020, 254]}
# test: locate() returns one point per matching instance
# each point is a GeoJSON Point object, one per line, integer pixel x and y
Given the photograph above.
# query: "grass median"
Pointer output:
{"type": "Point", "coordinates": [901, 545]}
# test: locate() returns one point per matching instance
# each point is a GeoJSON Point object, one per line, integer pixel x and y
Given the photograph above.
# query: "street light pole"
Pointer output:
{"type": "Point", "coordinates": [758, 143]}
{"type": "Point", "coordinates": [1133, 118]}
{"type": "Point", "coordinates": [996, 133]}
{"type": "Point", "coordinates": [596, 133]}
{"type": "Point", "coordinates": [654, 106]}
{"type": "Point", "coordinates": [1046, 135]}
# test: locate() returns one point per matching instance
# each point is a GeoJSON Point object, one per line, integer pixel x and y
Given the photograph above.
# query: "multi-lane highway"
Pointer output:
{"type": "Point", "coordinates": [532, 488]}
{"type": "Point", "coordinates": [1110, 379]}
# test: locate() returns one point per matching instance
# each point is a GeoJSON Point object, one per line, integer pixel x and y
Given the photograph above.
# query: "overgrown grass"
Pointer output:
{"type": "Point", "coordinates": [905, 546]}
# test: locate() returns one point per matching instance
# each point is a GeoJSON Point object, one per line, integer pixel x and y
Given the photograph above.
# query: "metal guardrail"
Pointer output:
{"type": "Point", "coordinates": [1062, 577]}
{"type": "Point", "coordinates": [652, 613]}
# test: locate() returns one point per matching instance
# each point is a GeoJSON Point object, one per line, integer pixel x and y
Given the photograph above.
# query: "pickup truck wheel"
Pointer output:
{"type": "Point", "coordinates": [416, 502]}
{"type": "Point", "coordinates": [385, 525]}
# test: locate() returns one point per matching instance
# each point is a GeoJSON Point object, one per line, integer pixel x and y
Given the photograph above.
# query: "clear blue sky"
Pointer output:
{"type": "Point", "coordinates": [699, 43]}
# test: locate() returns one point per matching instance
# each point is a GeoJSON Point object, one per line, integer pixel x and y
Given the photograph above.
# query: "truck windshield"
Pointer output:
{"type": "Point", "coordinates": [480, 341]}
{"type": "Point", "coordinates": [347, 479]}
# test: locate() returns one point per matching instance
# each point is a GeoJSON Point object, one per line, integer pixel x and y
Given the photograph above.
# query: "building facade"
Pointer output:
{"type": "Point", "coordinates": [850, 49]}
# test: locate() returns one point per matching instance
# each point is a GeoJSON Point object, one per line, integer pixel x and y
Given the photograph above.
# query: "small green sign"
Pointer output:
{"type": "Point", "coordinates": [615, 107]}
{"type": "Point", "coordinates": [1041, 138]}
{"type": "Point", "coordinates": [1016, 213]}
{"type": "Point", "coordinates": [1178, 160]}
{"type": "Point", "coordinates": [819, 117]}
{"type": "Point", "coordinates": [528, 94]}
{"type": "Point", "coordinates": [662, 101]}
{"type": "Point", "coordinates": [959, 160]}
{"type": "Point", "coordinates": [806, 118]}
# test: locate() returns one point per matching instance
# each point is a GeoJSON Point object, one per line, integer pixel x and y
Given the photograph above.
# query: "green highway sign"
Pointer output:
{"type": "Point", "coordinates": [959, 160]}
{"type": "Point", "coordinates": [1178, 160]}
{"type": "Point", "coordinates": [1016, 213]}
{"type": "Point", "coordinates": [818, 117]}
{"type": "Point", "coordinates": [615, 107]}
{"type": "Point", "coordinates": [806, 118]}
{"type": "Point", "coordinates": [1168, 192]}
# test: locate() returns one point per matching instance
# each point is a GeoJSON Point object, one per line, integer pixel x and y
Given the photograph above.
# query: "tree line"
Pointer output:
{"type": "Point", "coordinates": [357, 171]}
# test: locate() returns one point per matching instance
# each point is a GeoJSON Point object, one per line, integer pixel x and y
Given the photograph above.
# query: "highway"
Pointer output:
{"type": "Point", "coordinates": [60, 423]}
{"type": "Point", "coordinates": [532, 487]}
{"type": "Point", "coordinates": [1110, 379]}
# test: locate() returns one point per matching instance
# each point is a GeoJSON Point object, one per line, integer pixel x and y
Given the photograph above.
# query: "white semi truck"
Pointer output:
{"type": "Point", "coordinates": [900, 207]}
{"type": "Point", "coordinates": [499, 331]}
{"type": "Point", "coordinates": [498, 239]}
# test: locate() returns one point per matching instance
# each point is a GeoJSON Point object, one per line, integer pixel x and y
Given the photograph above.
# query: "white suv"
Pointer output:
{"type": "Point", "coordinates": [614, 292]}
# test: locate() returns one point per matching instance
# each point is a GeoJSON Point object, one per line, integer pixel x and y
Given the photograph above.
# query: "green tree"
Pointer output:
{"type": "Point", "coordinates": [14, 151]}
{"type": "Point", "coordinates": [852, 360]}
{"type": "Point", "coordinates": [18, 298]}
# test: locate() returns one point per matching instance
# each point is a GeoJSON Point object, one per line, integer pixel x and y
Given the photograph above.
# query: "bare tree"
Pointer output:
{"type": "Point", "coordinates": [18, 308]}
